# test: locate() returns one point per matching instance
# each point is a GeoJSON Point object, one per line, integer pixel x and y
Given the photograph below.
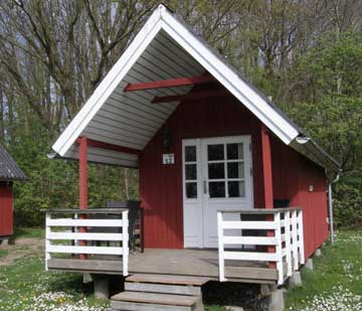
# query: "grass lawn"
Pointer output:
{"type": "Point", "coordinates": [28, 233]}
{"type": "Point", "coordinates": [336, 283]}
{"type": "Point", "coordinates": [3, 252]}
{"type": "Point", "coordinates": [25, 286]}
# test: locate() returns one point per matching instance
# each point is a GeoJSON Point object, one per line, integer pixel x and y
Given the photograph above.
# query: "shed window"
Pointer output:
{"type": "Point", "coordinates": [190, 153]}
{"type": "Point", "coordinates": [191, 190]}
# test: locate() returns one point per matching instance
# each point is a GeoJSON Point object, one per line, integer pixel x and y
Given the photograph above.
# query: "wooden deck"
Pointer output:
{"type": "Point", "coordinates": [181, 262]}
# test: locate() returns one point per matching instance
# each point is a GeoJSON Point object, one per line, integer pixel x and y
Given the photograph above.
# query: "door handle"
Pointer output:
{"type": "Point", "coordinates": [205, 187]}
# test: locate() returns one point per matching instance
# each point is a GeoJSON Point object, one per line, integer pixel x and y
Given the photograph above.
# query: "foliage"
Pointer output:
{"type": "Point", "coordinates": [327, 98]}
{"type": "Point", "coordinates": [327, 101]}
{"type": "Point", "coordinates": [348, 203]}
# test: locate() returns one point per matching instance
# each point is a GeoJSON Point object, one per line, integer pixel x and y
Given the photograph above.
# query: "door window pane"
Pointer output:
{"type": "Point", "coordinates": [190, 171]}
{"type": "Point", "coordinates": [236, 189]}
{"type": "Point", "coordinates": [215, 152]}
{"type": "Point", "coordinates": [217, 189]}
{"type": "Point", "coordinates": [190, 153]}
{"type": "Point", "coordinates": [235, 170]}
{"type": "Point", "coordinates": [235, 151]}
{"type": "Point", "coordinates": [191, 190]}
{"type": "Point", "coordinates": [216, 170]}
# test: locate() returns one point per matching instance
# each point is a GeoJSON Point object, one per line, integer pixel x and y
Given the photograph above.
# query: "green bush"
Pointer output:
{"type": "Point", "coordinates": [53, 184]}
{"type": "Point", "coordinates": [348, 203]}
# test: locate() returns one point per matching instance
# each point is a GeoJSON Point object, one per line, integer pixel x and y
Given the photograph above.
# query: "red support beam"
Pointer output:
{"type": "Point", "coordinates": [102, 145]}
{"type": "Point", "coordinates": [83, 183]}
{"type": "Point", "coordinates": [169, 83]}
{"type": "Point", "coordinates": [83, 173]}
{"type": "Point", "coordinates": [191, 96]}
{"type": "Point", "coordinates": [267, 168]}
{"type": "Point", "coordinates": [268, 182]}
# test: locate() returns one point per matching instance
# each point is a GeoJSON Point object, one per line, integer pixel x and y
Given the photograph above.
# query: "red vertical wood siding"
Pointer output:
{"type": "Point", "coordinates": [6, 209]}
{"type": "Point", "coordinates": [292, 176]}
{"type": "Point", "coordinates": [161, 185]}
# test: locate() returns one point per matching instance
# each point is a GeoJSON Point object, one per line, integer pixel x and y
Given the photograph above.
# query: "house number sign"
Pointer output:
{"type": "Point", "coordinates": [168, 158]}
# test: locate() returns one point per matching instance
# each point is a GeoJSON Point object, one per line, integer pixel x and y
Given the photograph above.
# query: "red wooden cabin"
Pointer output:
{"type": "Point", "coordinates": [205, 141]}
{"type": "Point", "coordinates": [9, 172]}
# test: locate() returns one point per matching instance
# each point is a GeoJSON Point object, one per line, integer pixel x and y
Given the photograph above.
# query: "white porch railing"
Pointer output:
{"type": "Point", "coordinates": [279, 228]}
{"type": "Point", "coordinates": [63, 234]}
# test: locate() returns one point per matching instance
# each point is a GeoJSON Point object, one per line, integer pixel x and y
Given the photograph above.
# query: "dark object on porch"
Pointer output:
{"type": "Point", "coordinates": [278, 203]}
{"type": "Point", "coordinates": [281, 203]}
{"type": "Point", "coordinates": [135, 217]}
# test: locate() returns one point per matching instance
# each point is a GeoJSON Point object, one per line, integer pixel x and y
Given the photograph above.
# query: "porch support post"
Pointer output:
{"type": "Point", "coordinates": [83, 183]}
{"type": "Point", "coordinates": [83, 173]}
{"type": "Point", "coordinates": [268, 182]}
{"type": "Point", "coordinates": [267, 168]}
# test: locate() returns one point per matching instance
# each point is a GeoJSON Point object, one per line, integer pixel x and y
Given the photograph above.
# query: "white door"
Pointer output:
{"type": "Point", "coordinates": [217, 176]}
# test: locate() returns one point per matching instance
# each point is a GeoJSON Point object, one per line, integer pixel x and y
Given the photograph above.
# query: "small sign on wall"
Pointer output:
{"type": "Point", "coordinates": [168, 158]}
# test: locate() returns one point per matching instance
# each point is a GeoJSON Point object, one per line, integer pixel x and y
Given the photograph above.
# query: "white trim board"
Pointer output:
{"type": "Point", "coordinates": [163, 19]}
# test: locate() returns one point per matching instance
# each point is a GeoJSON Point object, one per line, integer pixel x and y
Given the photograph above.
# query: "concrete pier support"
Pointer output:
{"type": "Point", "coordinates": [87, 278]}
{"type": "Point", "coordinates": [101, 288]}
{"type": "Point", "coordinates": [276, 300]}
{"type": "Point", "coordinates": [318, 253]}
{"type": "Point", "coordinates": [295, 280]}
{"type": "Point", "coordinates": [309, 264]}
{"type": "Point", "coordinates": [4, 242]}
{"type": "Point", "coordinates": [267, 289]}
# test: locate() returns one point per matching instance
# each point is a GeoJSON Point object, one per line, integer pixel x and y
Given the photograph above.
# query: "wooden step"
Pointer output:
{"type": "Point", "coordinates": [133, 306]}
{"type": "Point", "coordinates": [163, 299]}
{"type": "Point", "coordinates": [188, 290]}
{"type": "Point", "coordinates": [167, 279]}
{"type": "Point", "coordinates": [151, 302]}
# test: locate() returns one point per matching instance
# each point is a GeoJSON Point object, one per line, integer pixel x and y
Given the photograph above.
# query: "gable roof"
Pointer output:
{"type": "Point", "coordinates": [166, 48]}
{"type": "Point", "coordinates": [9, 170]}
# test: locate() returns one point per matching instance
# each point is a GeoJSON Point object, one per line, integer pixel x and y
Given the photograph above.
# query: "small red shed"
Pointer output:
{"type": "Point", "coordinates": [9, 172]}
{"type": "Point", "coordinates": [204, 140]}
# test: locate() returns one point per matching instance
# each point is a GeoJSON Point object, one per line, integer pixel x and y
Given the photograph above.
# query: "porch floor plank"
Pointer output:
{"type": "Point", "coordinates": [176, 262]}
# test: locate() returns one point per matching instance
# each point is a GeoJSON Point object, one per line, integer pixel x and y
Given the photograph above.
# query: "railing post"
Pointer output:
{"type": "Point", "coordinates": [295, 240]}
{"type": "Point", "coordinates": [287, 243]}
{"type": "Point", "coordinates": [300, 236]}
{"type": "Point", "coordinates": [125, 239]}
{"type": "Point", "coordinates": [47, 241]}
{"type": "Point", "coordinates": [278, 249]}
{"type": "Point", "coordinates": [75, 230]}
{"type": "Point", "coordinates": [220, 231]}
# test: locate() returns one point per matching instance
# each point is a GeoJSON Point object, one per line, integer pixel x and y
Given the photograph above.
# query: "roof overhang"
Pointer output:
{"type": "Point", "coordinates": [310, 149]}
{"type": "Point", "coordinates": [165, 48]}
